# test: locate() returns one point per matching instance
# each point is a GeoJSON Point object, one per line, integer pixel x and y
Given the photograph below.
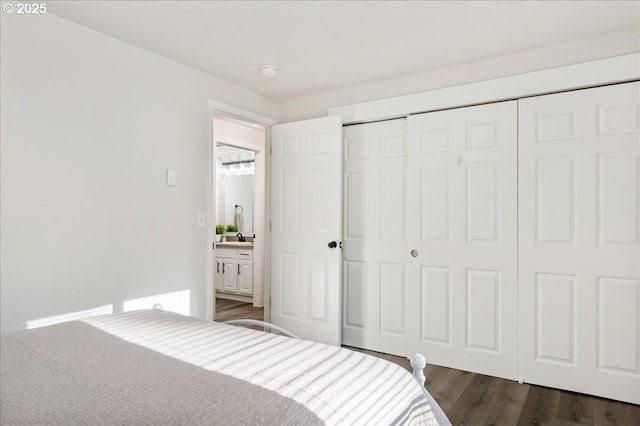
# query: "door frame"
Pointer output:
{"type": "Point", "coordinates": [261, 219]}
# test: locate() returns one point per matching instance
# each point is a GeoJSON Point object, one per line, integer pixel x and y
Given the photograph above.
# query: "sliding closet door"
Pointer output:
{"type": "Point", "coordinates": [374, 271]}
{"type": "Point", "coordinates": [461, 204]}
{"type": "Point", "coordinates": [579, 258]}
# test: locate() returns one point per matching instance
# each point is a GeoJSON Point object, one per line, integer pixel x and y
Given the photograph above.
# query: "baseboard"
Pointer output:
{"type": "Point", "coordinates": [236, 297]}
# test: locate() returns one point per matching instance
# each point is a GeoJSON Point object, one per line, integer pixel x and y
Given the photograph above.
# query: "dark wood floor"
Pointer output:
{"type": "Point", "coordinates": [476, 399]}
{"type": "Point", "coordinates": [230, 309]}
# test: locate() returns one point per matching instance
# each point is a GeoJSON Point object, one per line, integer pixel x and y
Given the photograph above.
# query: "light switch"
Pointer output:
{"type": "Point", "coordinates": [201, 220]}
{"type": "Point", "coordinates": [171, 177]}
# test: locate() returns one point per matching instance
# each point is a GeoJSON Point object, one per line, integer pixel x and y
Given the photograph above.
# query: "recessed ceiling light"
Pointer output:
{"type": "Point", "coordinates": [268, 70]}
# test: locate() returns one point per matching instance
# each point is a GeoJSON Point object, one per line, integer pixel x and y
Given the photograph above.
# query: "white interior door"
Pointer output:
{"type": "Point", "coordinates": [306, 208]}
{"type": "Point", "coordinates": [462, 231]}
{"type": "Point", "coordinates": [579, 264]}
{"type": "Point", "coordinates": [374, 277]}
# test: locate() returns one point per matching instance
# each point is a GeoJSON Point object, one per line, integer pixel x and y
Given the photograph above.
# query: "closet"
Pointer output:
{"type": "Point", "coordinates": [501, 239]}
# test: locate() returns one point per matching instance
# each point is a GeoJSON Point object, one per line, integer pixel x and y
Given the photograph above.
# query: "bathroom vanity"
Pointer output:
{"type": "Point", "coordinates": [234, 271]}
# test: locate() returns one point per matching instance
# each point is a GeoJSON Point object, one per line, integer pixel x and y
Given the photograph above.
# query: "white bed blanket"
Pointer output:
{"type": "Point", "coordinates": [156, 367]}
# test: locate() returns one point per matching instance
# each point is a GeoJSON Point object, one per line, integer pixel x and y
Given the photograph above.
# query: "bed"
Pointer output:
{"type": "Point", "coordinates": [160, 368]}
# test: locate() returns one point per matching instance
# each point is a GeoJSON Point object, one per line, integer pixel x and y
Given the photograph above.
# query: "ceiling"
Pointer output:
{"type": "Point", "coordinates": [320, 46]}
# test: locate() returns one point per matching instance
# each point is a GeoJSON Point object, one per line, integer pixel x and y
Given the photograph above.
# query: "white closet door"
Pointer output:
{"type": "Point", "coordinates": [374, 271]}
{"type": "Point", "coordinates": [461, 201]}
{"type": "Point", "coordinates": [579, 264]}
{"type": "Point", "coordinates": [306, 212]}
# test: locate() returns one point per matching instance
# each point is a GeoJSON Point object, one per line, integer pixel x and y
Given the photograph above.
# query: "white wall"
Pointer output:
{"type": "Point", "coordinates": [227, 131]}
{"type": "Point", "coordinates": [89, 127]}
{"type": "Point", "coordinates": [605, 46]}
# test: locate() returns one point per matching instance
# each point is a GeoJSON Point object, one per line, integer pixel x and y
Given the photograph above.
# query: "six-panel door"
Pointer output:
{"type": "Point", "coordinates": [462, 233]}
{"type": "Point", "coordinates": [306, 208]}
{"type": "Point", "coordinates": [579, 258]}
{"type": "Point", "coordinates": [375, 231]}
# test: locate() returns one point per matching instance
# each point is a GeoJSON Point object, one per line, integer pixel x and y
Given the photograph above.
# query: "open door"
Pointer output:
{"type": "Point", "coordinates": [306, 209]}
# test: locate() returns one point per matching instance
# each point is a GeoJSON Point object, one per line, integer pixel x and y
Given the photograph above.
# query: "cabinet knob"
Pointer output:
{"type": "Point", "coordinates": [333, 244]}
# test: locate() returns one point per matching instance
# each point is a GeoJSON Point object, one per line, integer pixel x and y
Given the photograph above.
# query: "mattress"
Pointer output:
{"type": "Point", "coordinates": [155, 368]}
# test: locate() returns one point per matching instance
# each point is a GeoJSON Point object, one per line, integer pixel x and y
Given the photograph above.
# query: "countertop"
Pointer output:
{"type": "Point", "coordinates": [235, 244]}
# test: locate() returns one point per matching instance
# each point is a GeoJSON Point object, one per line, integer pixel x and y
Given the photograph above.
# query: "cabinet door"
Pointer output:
{"type": "Point", "coordinates": [579, 241]}
{"type": "Point", "coordinates": [229, 274]}
{"type": "Point", "coordinates": [245, 277]}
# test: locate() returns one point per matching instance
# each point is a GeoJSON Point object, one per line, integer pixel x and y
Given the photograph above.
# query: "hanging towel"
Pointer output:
{"type": "Point", "coordinates": [238, 219]}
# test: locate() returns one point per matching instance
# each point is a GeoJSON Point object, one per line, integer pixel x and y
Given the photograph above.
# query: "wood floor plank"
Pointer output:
{"type": "Point", "coordinates": [540, 407]}
{"type": "Point", "coordinates": [507, 402]}
{"type": "Point", "coordinates": [476, 399]}
{"type": "Point", "coordinates": [612, 413]}
{"type": "Point", "coordinates": [449, 387]}
{"type": "Point", "coordinates": [473, 408]}
{"type": "Point", "coordinates": [575, 408]}
{"type": "Point", "coordinates": [231, 309]}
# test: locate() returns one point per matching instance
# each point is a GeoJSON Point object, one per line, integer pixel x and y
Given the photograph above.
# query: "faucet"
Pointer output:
{"type": "Point", "coordinates": [241, 237]}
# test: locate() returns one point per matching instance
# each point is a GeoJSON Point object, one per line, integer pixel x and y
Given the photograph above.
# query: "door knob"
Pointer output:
{"type": "Point", "coordinates": [333, 244]}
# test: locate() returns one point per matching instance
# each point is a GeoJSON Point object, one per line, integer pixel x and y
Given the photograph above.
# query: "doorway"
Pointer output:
{"type": "Point", "coordinates": [238, 211]}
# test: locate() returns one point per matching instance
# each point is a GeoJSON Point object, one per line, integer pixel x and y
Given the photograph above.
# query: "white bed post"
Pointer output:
{"type": "Point", "coordinates": [418, 363]}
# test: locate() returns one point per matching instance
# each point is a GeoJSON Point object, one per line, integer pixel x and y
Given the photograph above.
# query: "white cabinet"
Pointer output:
{"type": "Point", "coordinates": [234, 270]}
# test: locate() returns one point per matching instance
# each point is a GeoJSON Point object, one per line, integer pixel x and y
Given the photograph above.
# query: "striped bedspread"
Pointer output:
{"type": "Point", "coordinates": [155, 368]}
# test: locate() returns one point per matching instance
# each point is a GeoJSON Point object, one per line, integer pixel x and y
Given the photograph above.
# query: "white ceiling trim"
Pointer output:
{"type": "Point", "coordinates": [589, 74]}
